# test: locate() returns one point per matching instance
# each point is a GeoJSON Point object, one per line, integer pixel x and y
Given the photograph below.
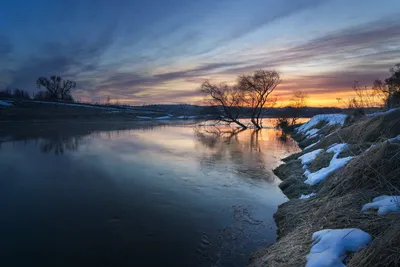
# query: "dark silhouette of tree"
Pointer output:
{"type": "Point", "coordinates": [227, 100]}
{"type": "Point", "coordinates": [58, 145]}
{"type": "Point", "coordinates": [297, 102]}
{"type": "Point", "coordinates": [389, 86]}
{"type": "Point", "coordinates": [20, 94]}
{"type": "Point", "coordinates": [57, 88]}
{"type": "Point", "coordinates": [257, 88]}
{"type": "Point", "coordinates": [6, 93]}
{"type": "Point", "coordinates": [42, 95]}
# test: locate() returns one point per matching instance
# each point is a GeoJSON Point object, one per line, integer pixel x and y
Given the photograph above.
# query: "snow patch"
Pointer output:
{"type": "Point", "coordinates": [382, 112]}
{"type": "Point", "coordinates": [311, 132]}
{"type": "Point", "coordinates": [71, 105]}
{"type": "Point", "coordinates": [186, 117]}
{"type": "Point", "coordinates": [394, 139]}
{"type": "Point", "coordinates": [143, 117]}
{"type": "Point", "coordinates": [331, 119]}
{"type": "Point", "coordinates": [313, 136]}
{"type": "Point", "coordinates": [5, 104]}
{"type": "Point", "coordinates": [384, 204]}
{"type": "Point", "coordinates": [307, 196]}
{"type": "Point", "coordinates": [309, 157]}
{"type": "Point", "coordinates": [336, 148]}
{"type": "Point", "coordinates": [310, 146]}
{"type": "Point", "coordinates": [163, 117]}
{"type": "Point", "coordinates": [335, 164]}
{"type": "Point", "coordinates": [318, 176]}
{"type": "Point", "coordinates": [330, 246]}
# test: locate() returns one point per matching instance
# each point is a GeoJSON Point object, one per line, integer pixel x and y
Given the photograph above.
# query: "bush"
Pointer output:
{"type": "Point", "coordinates": [282, 123]}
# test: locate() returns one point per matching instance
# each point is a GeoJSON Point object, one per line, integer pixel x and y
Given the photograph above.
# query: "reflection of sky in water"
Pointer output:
{"type": "Point", "coordinates": [125, 196]}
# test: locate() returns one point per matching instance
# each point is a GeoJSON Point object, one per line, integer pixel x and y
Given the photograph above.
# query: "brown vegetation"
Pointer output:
{"type": "Point", "coordinates": [340, 197]}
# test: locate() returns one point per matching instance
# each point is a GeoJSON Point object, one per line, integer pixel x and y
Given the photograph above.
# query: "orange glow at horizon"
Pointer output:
{"type": "Point", "coordinates": [331, 99]}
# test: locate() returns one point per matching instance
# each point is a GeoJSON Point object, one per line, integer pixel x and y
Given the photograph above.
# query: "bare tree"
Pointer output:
{"type": "Point", "coordinates": [226, 99]}
{"type": "Point", "coordinates": [386, 89]}
{"type": "Point", "coordinates": [57, 88]}
{"type": "Point", "coordinates": [298, 101]}
{"type": "Point", "coordinates": [257, 88]}
{"type": "Point", "coordinates": [21, 94]}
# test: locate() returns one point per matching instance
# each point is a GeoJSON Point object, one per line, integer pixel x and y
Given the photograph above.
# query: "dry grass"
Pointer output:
{"type": "Point", "coordinates": [299, 219]}
{"type": "Point", "coordinates": [378, 169]}
{"type": "Point", "coordinates": [354, 149]}
{"type": "Point", "coordinates": [367, 130]}
{"type": "Point", "coordinates": [339, 199]}
{"type": "Point", "coordinates": [383, 251]}
{"type": "Point", "coordinates": [321, 161]}
{"type": "Point", "coordinates": [292, 178]}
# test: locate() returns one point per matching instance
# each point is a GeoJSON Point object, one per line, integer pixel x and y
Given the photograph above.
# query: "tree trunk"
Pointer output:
{"type": "Point", "coordinates": [240, 124]}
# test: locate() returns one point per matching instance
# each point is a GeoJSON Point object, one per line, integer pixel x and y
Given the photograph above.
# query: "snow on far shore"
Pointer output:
{"type": "Point", "coordinates": [5, 104]}
{"type": "Point", "coordinates": [186, 117]}
{"type": "Point", "coordinates": [330, 246]}
{"type": "Point", "coordinates": [163, 117]}
{"type": "Point", "coordinates": [382, 112]}
{"type": "Point", "coordinates": [73, 105]}
{"type": "Point", "coordinates": [331, 119]}
{"type": "Point", "coordinates": [143, 117]}
{"type": "Point", "coordinates": [384, 204]}
{"type": "Point", "coordinates": [335, 164]}
{"type": "Point", "coordinates": [309, 157]}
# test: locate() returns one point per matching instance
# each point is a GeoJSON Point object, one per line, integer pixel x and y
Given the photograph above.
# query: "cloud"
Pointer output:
{"type": "Point", "coordinates": [6, 47]}
{"type": "Point", "coordinates": [264, 13]}
{"type": "Point", "coordinates": [131, 80]}
{"type": "Point", "coordinates": [123, 56]}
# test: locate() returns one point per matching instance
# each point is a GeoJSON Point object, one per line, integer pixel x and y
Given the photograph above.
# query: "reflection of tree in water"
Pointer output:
{"type": "Point", "coordinates": [58, 145]}
{"type": "Point", "coordinates": [283, 137]}
{"type": "Point", "coordinates": [241, 148]}
{"type": "Point", "coordinates": [59, 138]}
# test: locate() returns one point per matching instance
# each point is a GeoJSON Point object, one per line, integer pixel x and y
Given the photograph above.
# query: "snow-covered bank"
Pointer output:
{"type": "Point", "coordinates": [330, 119]}
{"type": "Point", "coordinates": [335, 188]}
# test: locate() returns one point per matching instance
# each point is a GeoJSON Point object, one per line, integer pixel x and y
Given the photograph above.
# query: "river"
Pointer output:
{"type": "Point", "coordinates": [175, 195]}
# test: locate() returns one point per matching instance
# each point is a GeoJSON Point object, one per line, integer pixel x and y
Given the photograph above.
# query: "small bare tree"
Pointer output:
{"type": "Point", "coordinates": [257, 88]}
{"type": "Point", "coordinates": [297, 102]}
{"type": "Point", "coordinates": [390, 86]}
{"type": "Point", "coordinates": [226, 99]}
{"type": "Point", "coordinates": [57, 88]}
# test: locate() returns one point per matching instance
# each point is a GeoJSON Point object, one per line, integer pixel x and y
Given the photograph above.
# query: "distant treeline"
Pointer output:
{"type": "Point", "coordinates": [22, 94]}
{"type": "Point", "coordinates": [56, 88]}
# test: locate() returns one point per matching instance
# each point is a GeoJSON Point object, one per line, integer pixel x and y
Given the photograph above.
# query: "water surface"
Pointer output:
{"type": "Point", "coordinates": [82, 195]}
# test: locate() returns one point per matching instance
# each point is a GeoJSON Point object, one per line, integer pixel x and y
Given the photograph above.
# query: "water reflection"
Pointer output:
{"type": "Point", "coordinates": [59, 138]}
{"type": "Point", "coordinates": [115, 194]}
{"type": "Point", "coordinates": [245, 150]}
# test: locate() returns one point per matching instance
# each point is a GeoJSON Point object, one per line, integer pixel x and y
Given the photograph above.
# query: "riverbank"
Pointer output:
{"type": "Point", "coordinates": [345, 164]}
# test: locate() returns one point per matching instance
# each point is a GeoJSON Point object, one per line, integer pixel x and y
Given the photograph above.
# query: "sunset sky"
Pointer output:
{"type": "Point", "coordinates": [159, 51]}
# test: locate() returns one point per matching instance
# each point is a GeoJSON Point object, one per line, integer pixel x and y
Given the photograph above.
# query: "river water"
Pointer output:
{"type": "Point", "coordinates": [82, 195]}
